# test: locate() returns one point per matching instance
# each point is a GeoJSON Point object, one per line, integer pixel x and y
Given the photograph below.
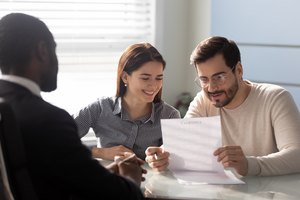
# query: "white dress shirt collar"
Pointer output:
{"type": "Point", "coordinates": [29, 84]}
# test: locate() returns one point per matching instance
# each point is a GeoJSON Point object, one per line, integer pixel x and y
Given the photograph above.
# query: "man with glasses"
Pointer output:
{"type": "Point", "coordinates": [260, 122]}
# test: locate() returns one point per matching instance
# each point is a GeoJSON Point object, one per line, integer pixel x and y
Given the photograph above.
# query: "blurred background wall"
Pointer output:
{"type": "Point", "coordinates": [267, 33]}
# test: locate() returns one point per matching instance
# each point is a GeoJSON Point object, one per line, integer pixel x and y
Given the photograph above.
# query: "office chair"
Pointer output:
{"type": "Point", "coordinates": [15, 176]}
{"type": "Point", "coordinates": [5, 191]}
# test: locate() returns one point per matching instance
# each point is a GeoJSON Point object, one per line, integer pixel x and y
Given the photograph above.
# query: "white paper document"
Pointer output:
{"type": "Point", "coordinates": [191, 143]}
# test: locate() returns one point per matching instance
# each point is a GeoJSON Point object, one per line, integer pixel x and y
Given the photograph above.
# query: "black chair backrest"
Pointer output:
{"type": "Point", "coordinates": [14, 155]}
{"type": "Point", "coordinates": [5, 191]}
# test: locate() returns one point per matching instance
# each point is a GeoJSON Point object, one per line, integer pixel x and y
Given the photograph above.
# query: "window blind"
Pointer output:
{"type": "Point", "coordinates": [90, 33]}
{"type": "Point", "coordinates": [90, 37]}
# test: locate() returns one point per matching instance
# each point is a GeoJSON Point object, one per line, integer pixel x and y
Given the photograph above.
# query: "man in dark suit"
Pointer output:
{"type": "Point", "coordinates": [60, 166]}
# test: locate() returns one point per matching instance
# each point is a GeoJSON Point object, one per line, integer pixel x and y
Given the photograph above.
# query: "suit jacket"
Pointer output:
{"type": "Point", "coordinates": [59, 164]}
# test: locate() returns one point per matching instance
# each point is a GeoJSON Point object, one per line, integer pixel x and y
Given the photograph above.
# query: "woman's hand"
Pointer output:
{"type": "Point", "coordinates": [157, 158]}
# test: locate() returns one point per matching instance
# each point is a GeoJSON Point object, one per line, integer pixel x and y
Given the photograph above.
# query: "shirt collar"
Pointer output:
{"type": "Point", "coordinates": [118, 106]}
{"type": "Point", "coordinates": [151, 118]}
{"type": "Point", "coordinates": [27, 83]}
{"type": "Point", "coordinates": [118, 110]}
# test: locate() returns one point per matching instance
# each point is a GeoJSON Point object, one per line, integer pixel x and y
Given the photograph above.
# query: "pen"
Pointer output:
{"type": "Point", "coordinates": [118, 159]}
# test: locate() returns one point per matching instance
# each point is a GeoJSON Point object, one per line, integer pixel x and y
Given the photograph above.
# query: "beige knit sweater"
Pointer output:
{"type": "Point", "coordinates": [266, 125]}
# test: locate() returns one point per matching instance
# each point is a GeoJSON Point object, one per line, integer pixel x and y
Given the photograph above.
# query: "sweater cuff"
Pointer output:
{"type": "Point", "coordinates": [253, 166]}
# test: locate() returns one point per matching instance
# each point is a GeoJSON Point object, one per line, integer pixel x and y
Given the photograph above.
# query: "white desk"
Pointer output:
{"type": "Point", "coordinates": [165, 186]}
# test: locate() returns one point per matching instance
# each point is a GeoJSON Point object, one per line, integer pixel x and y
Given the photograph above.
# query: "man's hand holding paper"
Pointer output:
{"type": "Point", "coordinates": [191, 143]}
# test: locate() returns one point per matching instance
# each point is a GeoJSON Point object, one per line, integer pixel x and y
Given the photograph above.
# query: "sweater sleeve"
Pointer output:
{"type": "Point", "coordinates": [195, 107]}
{"type": "Point", "coordinates": [286, 127]}
{"type": "Point", "coordinates": [201, 107]}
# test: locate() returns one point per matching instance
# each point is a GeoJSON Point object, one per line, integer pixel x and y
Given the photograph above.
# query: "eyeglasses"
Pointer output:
{"type": "Point", "coordinates": [217, 79]}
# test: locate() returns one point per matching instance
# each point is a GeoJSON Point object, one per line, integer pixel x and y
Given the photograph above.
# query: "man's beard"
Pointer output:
{"type": "Point", "coordinates": [229, 93]}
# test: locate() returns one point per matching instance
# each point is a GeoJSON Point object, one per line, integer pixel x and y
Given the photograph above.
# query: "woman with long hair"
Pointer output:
{"type": "Point", "coordinates": [130, 120]}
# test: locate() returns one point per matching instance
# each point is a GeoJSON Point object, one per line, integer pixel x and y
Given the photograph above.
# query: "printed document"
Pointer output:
{"type": "Point", "coordinates": [191, 143]}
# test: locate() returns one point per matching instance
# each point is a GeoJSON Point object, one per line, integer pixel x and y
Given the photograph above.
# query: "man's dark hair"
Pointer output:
{"type": "Point", "coordinates": [19, 36]}
{"type": "Point", "coordinates": [213, 46]}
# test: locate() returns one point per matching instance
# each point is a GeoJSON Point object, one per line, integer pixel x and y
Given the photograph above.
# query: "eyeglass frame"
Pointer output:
{"type": "Point", "coordinates": [215, 82]}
